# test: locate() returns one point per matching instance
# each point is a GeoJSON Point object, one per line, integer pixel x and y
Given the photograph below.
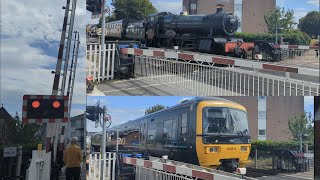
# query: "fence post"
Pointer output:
{"type": "Point", "coordinates": [256, 159]}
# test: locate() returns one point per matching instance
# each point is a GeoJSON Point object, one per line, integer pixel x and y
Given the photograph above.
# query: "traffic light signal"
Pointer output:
{"type": "Point", "coordinates": [93, 112]}
{"type": "Point", "coordinates": [40, 107]}
{"type": "Point", "coordinates": [94, 6]}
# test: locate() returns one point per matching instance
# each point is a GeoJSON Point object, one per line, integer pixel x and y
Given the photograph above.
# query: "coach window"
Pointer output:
{"type": "Point", "coordinates": [152, 131]}
{"type": "Point", "coordinates": [184, 124]}
{"type": "Point", "coordinates": [170, 129]}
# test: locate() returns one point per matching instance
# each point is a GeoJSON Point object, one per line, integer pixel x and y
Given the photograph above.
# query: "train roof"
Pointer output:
{"type": "Point", "coordinates": [190, 101]}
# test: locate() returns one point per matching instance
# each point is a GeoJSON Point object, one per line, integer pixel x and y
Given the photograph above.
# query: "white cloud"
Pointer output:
{"type": "Point", "coordinates": [24, 68]}
{"type": "Point", "coordinates": [314, 2]}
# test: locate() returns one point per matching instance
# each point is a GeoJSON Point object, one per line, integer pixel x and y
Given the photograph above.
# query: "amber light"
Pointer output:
{"type": "Point", "coordinates": [56, 104]}
{"type": "Point", "coordinates": [35, 104]}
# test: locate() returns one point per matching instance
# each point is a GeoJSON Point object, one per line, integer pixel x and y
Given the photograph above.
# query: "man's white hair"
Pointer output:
{"type": "Point", "coordinates": [74, 139]}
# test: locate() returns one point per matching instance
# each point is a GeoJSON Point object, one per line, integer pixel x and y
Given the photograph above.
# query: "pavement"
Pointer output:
{"type": "Point", "coordinates": [295, 176]}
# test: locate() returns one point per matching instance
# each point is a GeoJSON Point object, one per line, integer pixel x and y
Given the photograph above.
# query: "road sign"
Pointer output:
{"type": "Point", "coordinates": [9, 151]}
{"type": "Point", "coordinates": [44, 109]}
{"type": "Point", "coordinates": [108, 117]}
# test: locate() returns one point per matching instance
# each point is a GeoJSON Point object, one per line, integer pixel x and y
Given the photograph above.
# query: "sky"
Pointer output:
{"type": "Point", "coordinates": [29, 41]}
{"type": "Point", "coordinates": [125, 108]}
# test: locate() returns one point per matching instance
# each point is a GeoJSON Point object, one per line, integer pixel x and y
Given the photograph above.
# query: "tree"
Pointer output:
{"type": "Point", "coordinates": [310, 24]}
{"type": "Point", "coordinates": [301, 124]}
{"type": "Point", "coordinates": [133, 9]}
{"type": "Point", "coordinates": [279, 18]}
{"type": "Point", "coordinates": [154, 108]}
{"type": "Point", "coordinates": [28, 134]}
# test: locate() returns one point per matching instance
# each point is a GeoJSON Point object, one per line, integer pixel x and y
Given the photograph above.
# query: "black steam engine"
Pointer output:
{"type": "Point", "coordinates": [212, 33]}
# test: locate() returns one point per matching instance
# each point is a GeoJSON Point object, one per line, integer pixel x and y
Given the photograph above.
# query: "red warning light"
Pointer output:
{"type": "Point", "coordinates": [56, 104]}
{"type": "Point", "coordinates": [35, 104]}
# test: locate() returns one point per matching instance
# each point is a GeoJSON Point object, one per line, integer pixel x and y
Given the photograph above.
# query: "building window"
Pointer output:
{"type": "Point", "coordinates": [73, 123]}
{"type": "Point", "coordinates": [262, 132]}
{"type": "Point", "coordinates": [193, 6]}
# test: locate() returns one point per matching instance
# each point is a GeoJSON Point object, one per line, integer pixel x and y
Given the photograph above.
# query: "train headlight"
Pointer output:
{"type": "Point", "coordinates": [212, 149]}
{"type": "Point", "coordinates": [244, 148]}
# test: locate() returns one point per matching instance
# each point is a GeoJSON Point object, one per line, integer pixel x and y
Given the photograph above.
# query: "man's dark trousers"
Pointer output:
{"type": "Point", "coordinates": [73, 173]}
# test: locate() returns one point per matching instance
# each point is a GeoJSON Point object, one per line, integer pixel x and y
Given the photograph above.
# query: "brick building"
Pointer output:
{"type": "Point", "coordinates": [268, 116]}
{"type": "Point", "coordinates": [250, 12]}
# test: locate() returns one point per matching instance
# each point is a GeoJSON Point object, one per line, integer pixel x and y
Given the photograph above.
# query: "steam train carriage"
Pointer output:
{"type": "Point", "coordinates": [210, 132]}
{"type": "Point", "coordinates": [214, 33]}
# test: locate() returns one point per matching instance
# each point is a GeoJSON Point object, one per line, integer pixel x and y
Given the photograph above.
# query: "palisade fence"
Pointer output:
{"type": "Point", "coordinates": [99, 67]}
{"type": "Point", "coordinates": [202, 79]}
{"type": "Point", "coordinates": [209, 80]}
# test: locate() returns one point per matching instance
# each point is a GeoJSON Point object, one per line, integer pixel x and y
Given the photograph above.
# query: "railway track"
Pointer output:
{"type": "Point", "coordinates": [252, 172]}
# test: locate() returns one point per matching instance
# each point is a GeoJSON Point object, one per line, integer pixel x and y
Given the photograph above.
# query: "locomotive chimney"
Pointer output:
{"type": "Point", "coordinates": [220, 8]}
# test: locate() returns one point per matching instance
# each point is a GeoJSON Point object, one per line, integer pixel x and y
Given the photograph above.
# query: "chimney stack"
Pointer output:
{"type": "Point", "coordinates": [220, 8]}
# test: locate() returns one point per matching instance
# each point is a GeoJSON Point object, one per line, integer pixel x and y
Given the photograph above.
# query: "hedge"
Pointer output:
{"type": "Point", "coordinates": [294, 37]}
{"type": "Point", "coordinates": [270, 145]}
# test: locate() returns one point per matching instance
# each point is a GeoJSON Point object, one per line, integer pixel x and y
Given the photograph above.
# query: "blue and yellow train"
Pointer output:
{"type": "Point", "coordinates": [207, 131]}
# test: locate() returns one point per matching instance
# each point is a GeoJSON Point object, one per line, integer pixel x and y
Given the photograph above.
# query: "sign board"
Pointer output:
{"type": "Point", "coordinates": [10, 152]}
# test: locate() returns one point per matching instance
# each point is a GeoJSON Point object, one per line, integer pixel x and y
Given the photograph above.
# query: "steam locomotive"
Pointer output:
{"type": "Point", "coordinates": [207, 131]}
{"type": "Point", "coordinates": [213, 33]}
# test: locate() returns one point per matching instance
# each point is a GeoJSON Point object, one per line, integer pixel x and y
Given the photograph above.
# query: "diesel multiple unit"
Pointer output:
{"type": "Point", "coordinates": [210, 132]}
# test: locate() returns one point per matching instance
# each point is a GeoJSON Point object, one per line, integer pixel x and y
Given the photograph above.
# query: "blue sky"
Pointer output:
{"type": "Point", "coordinates": [124, 108]}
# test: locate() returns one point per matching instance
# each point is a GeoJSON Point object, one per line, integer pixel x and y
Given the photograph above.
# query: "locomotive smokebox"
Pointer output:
{"type": "Point", "coordinates": [220, 8]}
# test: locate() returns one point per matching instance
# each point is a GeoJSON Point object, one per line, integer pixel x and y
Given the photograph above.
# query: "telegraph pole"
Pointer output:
{"type": "Point", "coordinates": [104, 138]}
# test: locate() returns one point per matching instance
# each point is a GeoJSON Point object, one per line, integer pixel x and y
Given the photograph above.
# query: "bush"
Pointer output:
{"type": "Point", "coordinates": [294, 37]}
{"type": "Point", "coordinates": [270, 145]}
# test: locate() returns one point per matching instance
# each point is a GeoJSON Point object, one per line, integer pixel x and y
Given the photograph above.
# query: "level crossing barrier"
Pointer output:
{"type": "Point", "coordinates": [102, 167]}
{"type": "Point", "coordinates": [204, 79]}
{"type": "Point", "coordinates": [100, 67]}
{"type": "Point", "coordinates": [159, 170]}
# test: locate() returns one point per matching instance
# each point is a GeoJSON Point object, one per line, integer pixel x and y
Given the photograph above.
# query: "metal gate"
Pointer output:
{"type": "Point", "coordinates": [100, 61]}
{"type": "Point", "coordinates": [204, 79]}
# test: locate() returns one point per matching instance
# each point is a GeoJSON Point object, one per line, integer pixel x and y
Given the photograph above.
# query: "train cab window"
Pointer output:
{"type": "Point", "coordinates": [215, 120]}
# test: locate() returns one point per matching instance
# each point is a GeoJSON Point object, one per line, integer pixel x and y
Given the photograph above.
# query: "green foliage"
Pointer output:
{"type": "Point", "coordinates": [279, 18]}
{"type": "Point", "coordinates": [301, 124]}
{"type": "Point", "coordinates": [133, 9]}
{"type": "Point", "coordinates": [154, 108]}
{"type": "Point", "coordinates": [271, 145]}
{"type": "Point", "coordinates": [26, 135]}
{"type": "Point", "coordinates": [294, 37]}
{"type": "Point", "coordinates": [310, 24]}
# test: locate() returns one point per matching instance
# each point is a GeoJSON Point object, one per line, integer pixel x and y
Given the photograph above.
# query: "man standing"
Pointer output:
{"type": "Point", "coordinates": [72, 159]}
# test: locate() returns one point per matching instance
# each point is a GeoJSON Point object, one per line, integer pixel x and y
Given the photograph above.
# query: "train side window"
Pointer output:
{"type": "Point", "coordinates": [152, 131]}
{"type": "Point", "coordinates": [170, 129]}
{"type": "Point", "coordinates": [184, 124]}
